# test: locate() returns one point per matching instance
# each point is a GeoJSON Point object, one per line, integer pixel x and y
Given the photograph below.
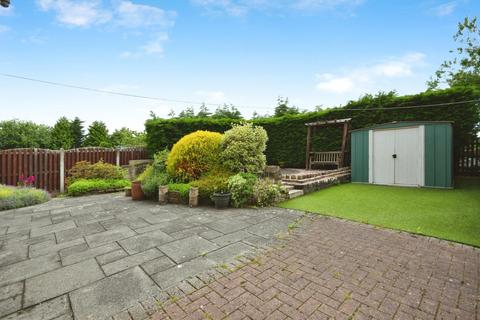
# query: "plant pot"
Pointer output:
{"type": "Point", "coordinates": [174, 197]}
{"type": "Point", "coordinates": [221, 200]}
{"type": "Point", "coordinates": [137, 192]}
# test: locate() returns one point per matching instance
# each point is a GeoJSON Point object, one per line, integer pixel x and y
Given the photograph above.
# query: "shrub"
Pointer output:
{"type": "Point", "coordinates": [267, 193]}
{"type": "Point", "coordinates": [160, 160]}
{"type": "Point", "coordinates": [243, 148]}
{"type": "Point", "coordinates": [182, 188]}
{"type": "Point", "coordinates": [151, 184]}
{"type": "Point", "coordinates": [241, 187]}
{"type": "Point", "coordinates": [214, 181]}
{"type": "Point", "coordinates": [11, 197]}
{"type": "Point", "coordinates": [99, 170]}
{"type": "Point", "coordinates": [85, 186]}
{"type": "Point", "coordinates": [193, 155]}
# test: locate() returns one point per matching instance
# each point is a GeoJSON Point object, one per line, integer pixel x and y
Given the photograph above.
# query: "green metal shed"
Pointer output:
{"type": "Point", "coordinates": [410, 153]}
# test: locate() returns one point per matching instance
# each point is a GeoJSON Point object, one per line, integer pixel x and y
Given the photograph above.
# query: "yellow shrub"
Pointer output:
{"type": "Point", "coordinates": [194, 154]}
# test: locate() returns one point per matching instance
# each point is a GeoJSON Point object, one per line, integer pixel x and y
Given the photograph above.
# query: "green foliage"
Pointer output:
{"type": "Point", "coordinates": [24, 134]}
{"type": "Point", "coordinates": [125, 137]}
{"type": "Point", "coordinates": [287, 134]}
{"type": "Point", "coordinates": [267, 193]}
{"type": "Point", "coordinates": [241, 188]}
{"type": "Point", "coordinates": [151, 183]}
{"type": "Point", "coordinates": [160, 160]}
{"type": "Point", "coordinates": [215, 181]}
{"type": "Point", "coordinates": [97, 135]}
{"type": "Point", "coordinates": [243, 148]}
{"type": "Point", "coordinates": [193, 155]}
{"type": "Point", "coordinates": [99, 170]}
{"type": "Point", "coordinates": [182, 188]}
{"type": "Point", "coordinates": [283, 108]}
{"type": "Point", "coordinates": [77, 132]}
{"type": "Point", "coordinates": [17, 197]}
{"type": "Point", "coordinates": [62, 135]}
{"type": "Point", "coordinates": [464, 68]}
{"type": "Point", "coordinates": [86, 186]}
{"type": "Point", "coordinates": [227, 112]}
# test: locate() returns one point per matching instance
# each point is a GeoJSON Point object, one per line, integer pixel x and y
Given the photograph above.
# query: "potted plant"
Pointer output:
{"type": "Point", "coordinates": [137, 192]}
{"type": "Point", "coordinates": [221, 199]}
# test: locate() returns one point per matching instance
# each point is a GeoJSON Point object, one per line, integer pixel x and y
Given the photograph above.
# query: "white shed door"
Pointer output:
{"type": "Point", "coordinates": [397, 156]}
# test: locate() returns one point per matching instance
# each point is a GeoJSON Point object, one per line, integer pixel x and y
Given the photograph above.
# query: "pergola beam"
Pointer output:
{"type": "Point", "coordinates": [326, 122]}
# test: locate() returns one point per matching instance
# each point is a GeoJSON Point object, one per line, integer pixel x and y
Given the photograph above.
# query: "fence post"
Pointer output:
{"type": "Point", "coordinates": [62, 170]}
{"type": "Point", "coordinates": [117, 157]}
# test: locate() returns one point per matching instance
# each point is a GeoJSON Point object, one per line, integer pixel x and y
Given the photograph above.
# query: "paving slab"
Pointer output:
{"type": "Point", "coordinates": [28, 268]}
{"type": "Point", "coordinates": [157, 265]}
{"type": "Point", "coordinates": [102, 238]}
{"type": "Point", "coordinates": [188, 248]}
{"type": "Point", "coordinates": [44, 248]}
{"type": "Point", "coordinates": [111, 295]}
{"type": "Point", "coordinates": [50, 310]}
{"type": "Point", "coordinates": [131, 261]}
{"type": "Point", "coordinates": [170, 277]}
{"type": "Point", "coordinates": [35, 232]}
{"type": "Point", "coordinates": [145, 241]}
{"type": "Point", "coordinates": [61, 281]}
{"type": "Point", "coordinates": [73, 256]}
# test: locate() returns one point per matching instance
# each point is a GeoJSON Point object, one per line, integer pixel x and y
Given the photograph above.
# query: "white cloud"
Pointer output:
{"type": "Point", "coordinates": [372, 77]}
{"type": "Point", "coordinates": [77, 13]}
{"type": "Point", "coordinates": [4, 29]}
{"type": "Point", "coordinates": [242, 7]}
{"type": "Point", "coordinates": [133, 15]}
{"type": "Point", "coordinates": [445, 9]}
{"type": "Point", "coordinates": [211, 96]}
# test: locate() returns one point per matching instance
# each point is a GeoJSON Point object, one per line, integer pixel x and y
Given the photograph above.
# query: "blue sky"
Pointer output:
{"type": "Point", "coordinates": [245, 52]}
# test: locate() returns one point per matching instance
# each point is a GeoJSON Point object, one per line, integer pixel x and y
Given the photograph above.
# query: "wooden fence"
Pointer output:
{"type": "Point", "coordinates": [51, 166]}
{"type": "Point", "coordinates": [469, 159]}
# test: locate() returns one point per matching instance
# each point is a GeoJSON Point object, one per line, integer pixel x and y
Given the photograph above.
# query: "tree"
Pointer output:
{"type": "Point", "coordinates": [283, 108]}
{"type": "Point", "coordinates": [24, 134]}
{"type": "Point", "coordinates": [125, 137]}
{"type": "Point", "coordinates": [227, 111]}
{"type": "Point", "coordinates": [97, 135]}
{"type": "Point", "coordinates": [204, 112]}
{"type": "Point", "coordinates": [62, 136]}
{"type": "Point", "coordinates": [463, 69]}
{"type": "Point", "coordinates": [77, 132]}
{"type": "Point", "coordinates": [187, 113]}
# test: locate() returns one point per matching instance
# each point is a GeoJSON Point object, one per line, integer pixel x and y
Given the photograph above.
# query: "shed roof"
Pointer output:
{"type": "Point", "coordinates": [394, 124]}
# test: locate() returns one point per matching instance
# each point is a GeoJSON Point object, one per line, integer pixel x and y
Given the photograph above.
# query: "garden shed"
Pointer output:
{"type": "Point", "coordinates": [407, 153]}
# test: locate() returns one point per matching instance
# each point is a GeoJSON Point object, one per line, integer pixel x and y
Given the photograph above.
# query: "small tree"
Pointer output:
{"type": "Point", "coordinates": [77, 132]}
{"type": "Point", "coordinates": [227, 111]}
{"type": "Point", "coordinates": [464, 69]}
{"type": "Point", "coordinates": [62, 136]}
{"type": "Point", "coordinates": [283, 108]}
{"type": "Point", "coordinates": [24, 134]}
{"type": "Point", "coordinates": [125, 137]}
{"type": "Point", "coordinates": [243, 148]}
{"type": "Point", "coordinates": [97, 135]}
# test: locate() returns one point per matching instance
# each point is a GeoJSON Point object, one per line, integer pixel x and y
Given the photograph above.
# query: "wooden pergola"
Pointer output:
{"type": "Point", "coordinates": [336, 158]}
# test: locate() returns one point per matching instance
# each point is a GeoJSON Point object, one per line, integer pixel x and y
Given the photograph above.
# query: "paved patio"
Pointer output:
{"type": "Point", "coordinates": [335, 269]}
{"type": "Point", "coordinates": [102, 256]}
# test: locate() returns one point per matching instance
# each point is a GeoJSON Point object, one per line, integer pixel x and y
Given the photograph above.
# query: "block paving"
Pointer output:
{"type": "Point", "coordinates": [108, 257]}
{"type": "Point", "coordinates": [329, 268]}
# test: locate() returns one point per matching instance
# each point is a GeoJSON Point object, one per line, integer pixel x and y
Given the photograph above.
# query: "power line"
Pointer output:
{"type": "Point", "coordinates": [59, 84]}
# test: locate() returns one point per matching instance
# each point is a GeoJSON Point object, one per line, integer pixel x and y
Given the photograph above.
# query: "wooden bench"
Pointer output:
{"type": "Point", "coordinates": [325, 158]}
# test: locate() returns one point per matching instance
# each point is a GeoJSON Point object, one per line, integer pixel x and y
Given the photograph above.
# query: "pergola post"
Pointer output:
{"type": "Point", "coordinates": [344, 144]}
{"type": "Point", "coordinates": [309, 147]}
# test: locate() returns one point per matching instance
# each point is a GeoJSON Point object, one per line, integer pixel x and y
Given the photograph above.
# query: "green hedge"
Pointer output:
{"type": "Point", "coordinates": [89, 186]}
{"type": "Point", "coordinates": [287, 134]}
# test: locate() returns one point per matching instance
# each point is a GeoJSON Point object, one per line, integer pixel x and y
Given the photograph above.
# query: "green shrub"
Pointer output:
{"type": "Point", "coordinates": [85, 186]}
{"type": "Point", "coordinates": [99, 170]}
{"type": "Point", "coordinates": [183, 188]}
{"type": "Point", "coordinates": [267, 193]}
{"type": "Point", "coordinates": [215, 181]}
{"type": "Point", "coordinates": [151, 184]}
{"type": "Point", "coordinates": [193, 155]}
{"type": "Point", "coordinates": [287, 134]}
{"type": "Point", "coordinates": [241, 187]}
{"type": "Point", "coordinates": [243, 148]}
{"type": "Point", "coordinates": [17, 197]}
{"type": "Point", "coordinates": [160, 160]}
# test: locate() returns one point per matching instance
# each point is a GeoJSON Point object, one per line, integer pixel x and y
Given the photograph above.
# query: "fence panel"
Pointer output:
{"type": "Point", "coordinates": [45, 164]}
{"type": "Point", "coordinates": [469, 160]}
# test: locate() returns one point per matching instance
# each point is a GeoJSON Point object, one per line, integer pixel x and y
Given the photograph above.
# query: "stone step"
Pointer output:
{"type": "Point", "coordinates": [295, 193]}
{"type": "Point", "coordinates": [287, 187]}
{"type": "Point", "coordinates": [303, 183]}
{"type": "Point", "coordinates": [316, 178]}
{"type": "Point", "coordinates": [311, 174]}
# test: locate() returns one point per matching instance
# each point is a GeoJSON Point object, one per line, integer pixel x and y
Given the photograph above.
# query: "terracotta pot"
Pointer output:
{"type": "Point", "coordinates": [137, 192]}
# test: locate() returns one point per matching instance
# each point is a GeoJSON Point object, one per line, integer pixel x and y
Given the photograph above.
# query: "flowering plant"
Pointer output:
{"type": "Point", "coordinates": [26, 181]}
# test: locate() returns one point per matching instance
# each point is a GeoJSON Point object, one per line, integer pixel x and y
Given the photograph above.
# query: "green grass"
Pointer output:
{"type": "Point", "coordinates": [447, 214]}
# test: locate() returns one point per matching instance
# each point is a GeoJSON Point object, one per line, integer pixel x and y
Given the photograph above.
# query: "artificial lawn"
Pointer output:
{"type": "Point", "coordinates": [447, 214]}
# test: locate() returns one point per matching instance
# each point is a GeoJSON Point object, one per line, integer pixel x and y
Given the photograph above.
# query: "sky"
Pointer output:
{"type": "Point", "coordinates": [244, 52]}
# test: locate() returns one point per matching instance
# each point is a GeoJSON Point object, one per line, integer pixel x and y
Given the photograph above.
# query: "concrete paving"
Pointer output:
{"type": "Point", "coordinates": [108, 257]}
